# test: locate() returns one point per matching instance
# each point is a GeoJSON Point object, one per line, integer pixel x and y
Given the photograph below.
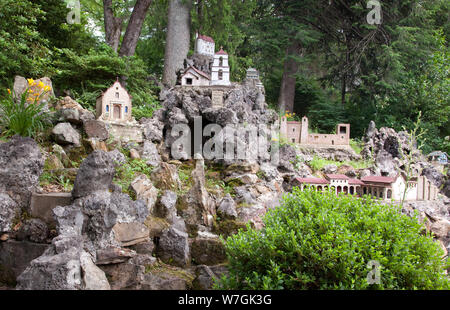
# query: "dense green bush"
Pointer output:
{"type": "Point", "coordinates": [86, 76]}
{"type": "Point", "coordinates": [323, 241]}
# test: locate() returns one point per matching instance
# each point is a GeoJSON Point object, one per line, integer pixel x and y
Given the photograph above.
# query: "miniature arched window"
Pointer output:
{"type": "Point", "coordinates": [107, 108]}
{"type": "Point", "coordinates": [126, 109]}
{"type": "Point", "coordinates": [117, 95]}
{"type": "Point", "coordinates": [221, 61]}
{"type": "Point", "coordinates": [389, 194]}
{"type": "Point", "coordinates": [220, 75]}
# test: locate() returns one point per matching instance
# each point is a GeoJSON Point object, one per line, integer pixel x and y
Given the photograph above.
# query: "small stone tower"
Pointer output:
{"type": "Point", "coordinates": [220, 72]}
{"type": "Point", "coordinates": [304, 131]}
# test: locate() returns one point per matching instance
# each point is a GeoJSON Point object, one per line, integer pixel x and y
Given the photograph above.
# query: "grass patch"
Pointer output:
{"type": "Point", "coordinates": [126, 173]}
{"type": "Point", "coordinates": [356, 145]}
{"type": "Point", "coordinates": [318, 163]}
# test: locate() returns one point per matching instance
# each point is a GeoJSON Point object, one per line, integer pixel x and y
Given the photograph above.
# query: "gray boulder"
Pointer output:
{"type": "Point", "coordinates": [33, 230]}
{"type": "Point", "coordinates": [65, 134]}
{"type": "Point", "coordinates": [96, 129]}
{"type": "Point", "coordinates": [9, 209]}
{"type": "Point", "coordinates": [53, 271]}
{"type": "Point", "coordinates": [93, 277]}
{"type": "Point", "coordinates": [21, 164]}
{"type": "Point", "coordinates": [173, 248]}
{"type": "Point", "coordinates": [206, 275]}
{"type": "Point", "coordinates": [227, 208]}
{"type": "Point", "coordinates": [330, 169]}
{"type": "Point", "coordinates": [434, 176]}
{"type": "Point", "coordinates": [150, 154]}
{"type": "Point", "coordinates": [166, 206]}
{"type": "Point", "coordinates": [208, 249]}
{"type": "Point", "coordinates": [153, 129]}
{"type": "Point", "coordinates": [95, 174]}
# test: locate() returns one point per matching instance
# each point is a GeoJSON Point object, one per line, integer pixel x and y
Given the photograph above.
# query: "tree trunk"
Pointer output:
{"type": "Point", "coordinates": [177, 39]}
{"type": "Point", "coordinates": [200, 15]}
{"type": "Point", "coordinates": [287, 90]}
{"type": "Point", "coordinates": [134, 28]}
{"type": "Point", "coordinates": [113, 25]}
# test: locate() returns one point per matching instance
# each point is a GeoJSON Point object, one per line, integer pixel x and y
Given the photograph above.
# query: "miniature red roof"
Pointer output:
{"type": "Point", "coordinates": [378, 179]}
{"type": "Point", "coordinates": [337, 176]}
{"type": "Point", "coordinates": [206, 38]}
{"type": "Point", "coordinates": [221, 52]}
{"type": "Point", "coordinates": [312, 180]}
{"type": "Point", "coordinates": [198, 71]}
{"type": "Point", "coordinates": [355, 182]}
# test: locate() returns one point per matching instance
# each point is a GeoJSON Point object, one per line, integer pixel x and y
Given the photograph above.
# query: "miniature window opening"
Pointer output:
{"type": "Point", "coordinates": [117, 95]}
{"type": "Point", "coordinates": [220, 75]}
{"type": "Point", "coordinates": [189, 81]}
{"type": "Point", "coordinates": [126, 110]}
{"type": "Point", "coordinates": [343, 130]}
{"type": "Point", "coordinates": [107, 108]}
{"type": "Point", "coordinates": [221, 61]}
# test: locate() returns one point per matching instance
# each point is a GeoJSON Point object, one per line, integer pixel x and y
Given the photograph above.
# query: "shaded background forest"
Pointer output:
{"type": "Point", "coordinates": [317, 58]}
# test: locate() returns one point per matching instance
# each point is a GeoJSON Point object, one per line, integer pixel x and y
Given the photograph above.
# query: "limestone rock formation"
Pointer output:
{"type": "Point", "coordinates": [65, 134]}
{"type": "Point", "coordinates": [21, 164]}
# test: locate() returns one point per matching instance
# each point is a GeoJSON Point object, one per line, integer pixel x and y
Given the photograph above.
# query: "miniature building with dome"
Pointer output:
{"type": "Point", "coordinates": [114, 104]}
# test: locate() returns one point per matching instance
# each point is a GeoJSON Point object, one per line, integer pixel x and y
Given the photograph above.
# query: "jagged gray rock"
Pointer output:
{"type": "Point", "coordinates": [173, 248]}
{"type": "Point", "coordinates": [150, 154]}
{"type": "Point", "coordinates": [95, 174]}
{"type": "Point", "coordinates": [8, 211]}
{"type": "Point", "coordinates": [65, 134]}
{"type": "Point", "coordinates": [21, 164]}
{"type": "Point", "coordinates": [227, 208]}
{"type": "Point", "coordinates": [33, 230]}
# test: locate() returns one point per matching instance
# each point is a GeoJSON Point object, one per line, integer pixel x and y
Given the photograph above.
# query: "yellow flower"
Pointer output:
{"type": "Point", "coordinates": [9, 91]}
{"type": "Point", "coordinates": [47, 88]}
{"type": "Point", "coordinates": [31, 82]}
{"type": "Point", "coordinates": [41, 85]}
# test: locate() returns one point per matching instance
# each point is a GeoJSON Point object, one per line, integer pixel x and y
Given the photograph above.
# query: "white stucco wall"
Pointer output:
{"type": "Point", "coordinates": [205, 47]}
{"type": "Point", "coordinates": [116, 98]}
{"type": "Point", "coordinates": [197, 79]}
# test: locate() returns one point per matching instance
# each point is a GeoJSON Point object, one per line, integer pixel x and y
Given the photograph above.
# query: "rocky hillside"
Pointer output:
{"type": "Point", "coordinates": [136, 218]}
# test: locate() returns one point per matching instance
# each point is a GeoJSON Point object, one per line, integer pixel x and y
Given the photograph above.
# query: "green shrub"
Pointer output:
{"type": "Point", "coordinates": [322, 241]}
{"type": "Point", "coordinates": [126, 173]}
{"type": "Point", "coordinates": [25, 118]}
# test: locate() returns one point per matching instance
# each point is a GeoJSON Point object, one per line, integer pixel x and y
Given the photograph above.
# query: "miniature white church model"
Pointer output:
{"type": "Point", "coordinates": [114, 104]}
{"type": "Point", "coordinates": [220, 71]}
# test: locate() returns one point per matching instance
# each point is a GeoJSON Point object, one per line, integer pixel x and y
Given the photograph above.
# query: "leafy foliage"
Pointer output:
{"type": "Point", "coordinates": [23, 118]}
{"type": "Point", "coordinates": [322, 241]}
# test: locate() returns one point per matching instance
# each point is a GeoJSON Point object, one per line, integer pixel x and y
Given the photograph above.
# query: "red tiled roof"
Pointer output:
{"type": "Point", "coordinates": [378, 179]}
{"type": "Point", "coordinates": [337, 176]}
{"type": "Point", "coordinates": [198, 71]}
{"type": "Point", "coordinates": [221, 52]}
{"type": "Point", "coordinates": [312, 181]}
{"type": "Point", "coordinates": [355, 182]}
{"type": "Point", "coordinates": [206, 38]}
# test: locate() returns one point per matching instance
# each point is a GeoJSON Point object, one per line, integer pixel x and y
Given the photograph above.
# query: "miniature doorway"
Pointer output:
{"type": "Point", "coordinates": [117, 111]}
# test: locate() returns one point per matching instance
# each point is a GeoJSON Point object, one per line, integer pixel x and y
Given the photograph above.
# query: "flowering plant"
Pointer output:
{"type": "Point", "coordinates": [25, 117]}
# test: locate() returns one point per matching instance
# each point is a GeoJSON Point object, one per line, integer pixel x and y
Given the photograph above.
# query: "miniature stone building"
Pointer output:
{"type": "Point", "coordinates": [204, 45]}
{"type": "Point", "coordinates": [194, 77]}
{"type": "Point", "coordinates": [385, 188]}
{"type": "Point", "coordinates": [220, 71]}
{"type": "Point", "coordinates": [114, 104]}
{"type": "Point", "coordinates": [297, 132]}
